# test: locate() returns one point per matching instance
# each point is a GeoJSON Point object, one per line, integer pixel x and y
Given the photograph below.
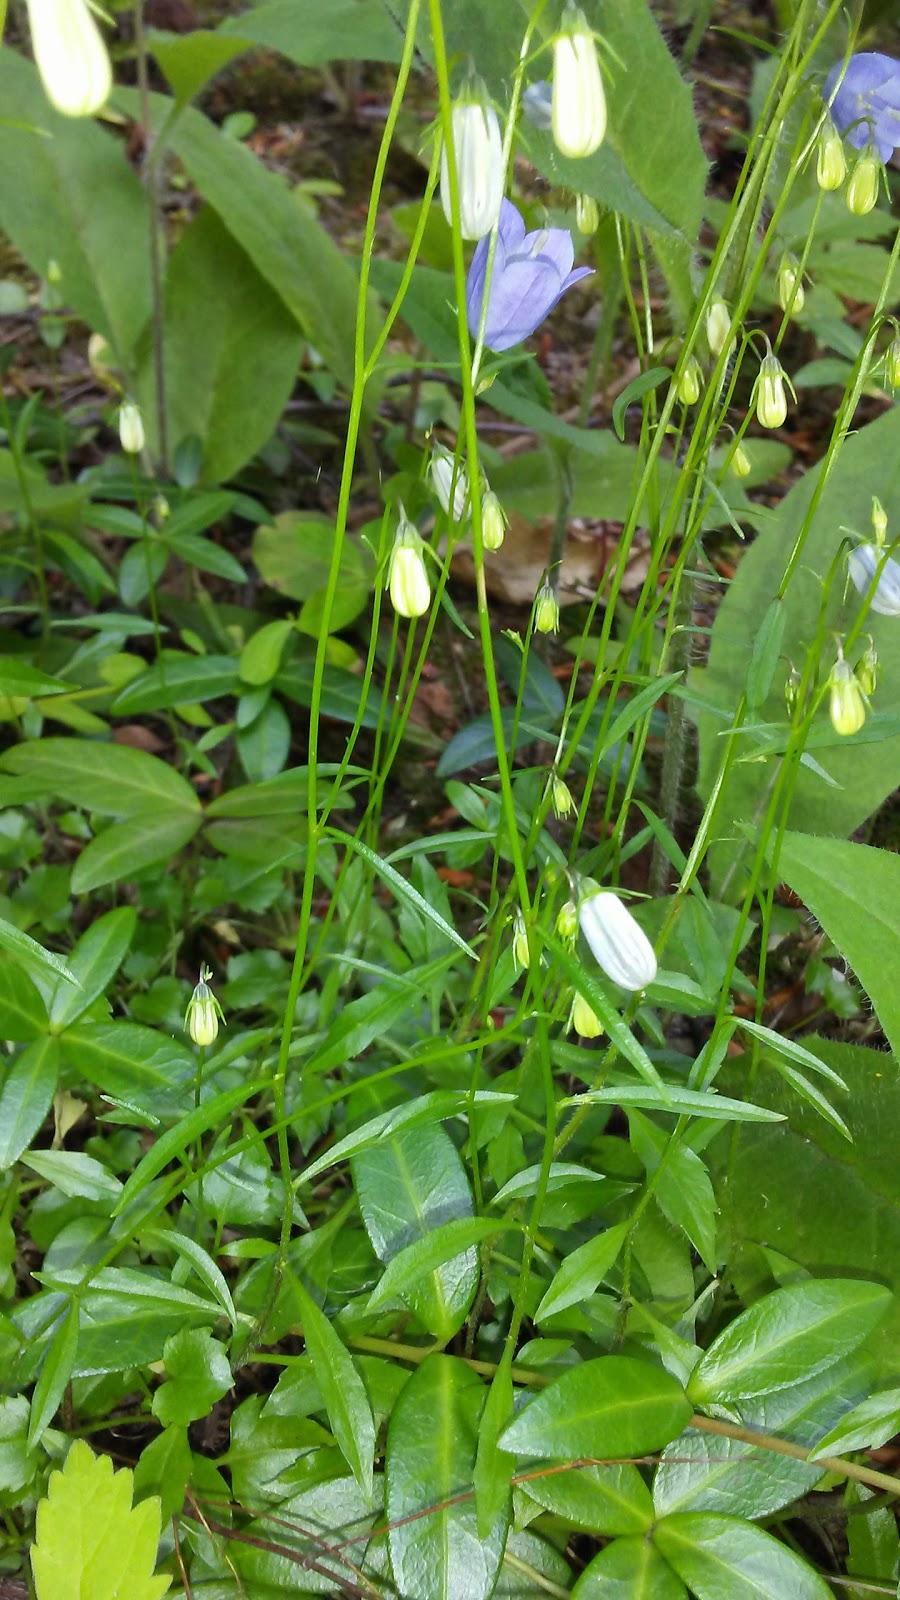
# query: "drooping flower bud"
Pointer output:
{"type": "Point", "coordinates": [892, 362]}
{"type": "Point", "coordinates": [131, 428]}
{"type": "Point", "coordinates": [567, 921]}
{"type": "Point", "coordinates": [587, 215]}
{"type": "Point", "coordinates": [584, 1019]}
{"type": "Point", "coordinates": [718, 325]}
{"type": "Point", "coordinates": [879, 520]}
{"type": "Point", "coordinates": [494, 521]}
{"type": "Point", "coordinates": [771, 401]}
{"type": "Point", "coordinates": [791, 294]}
{"type": "Point", "coordinates": [443, 471]}
{"type": "Point", "coordinates": [618, 943]}
{"type": "Point", "coordinates": [561, 798]}
{"type": "Point", "coordinates": [846, 705]}
{"type": "Point", "coordinates": [70, 56]}
{"type": "Point", "coordinates": [741, 464]}
{"type": "Point", "coordinates": [546, 610]}
{"type": "Point", "coordinates": [478, 147]}
{"type": "Point", "coordinates": [204, 1012]}
{"type": "Point", "coordinates": [792, 689]}
{"type": "Point", "coordinates": [100, 360]}
{"type": "Point", "coordinates": [408, 579]}
{"type": "Point", "coordinates": [864, 562]}
{"type": "Point", "coordinates": [831, 163]}
{"type": "Point", "coordinates": [689, 382]}
{"type": "Point", "coordinates": [521, 951]}
{"type": "Point", "coordinates": [866, 669]}
{"type": "Point", "coordinates": [579, 101]}
{"type": "Point", "coordinates": [862, 190]}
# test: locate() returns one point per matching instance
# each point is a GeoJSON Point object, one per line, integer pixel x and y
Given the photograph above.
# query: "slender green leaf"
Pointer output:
{"type": "Point", "coordinates": [55, 1373]}
{"type": "Point", "coordinates": [26, 1097]}
{"type": "Point", "coordinates": [403, 891]}
{"type": "Point", "coordinates": [582, 1270]}
{"type": "Point", "coordinates": [435, 1106]}
{"type": "Point", "coordinates": [678, 1102]}
{"type": "Point", "coordinates": [418, 1260]}
{"type": "Point", "coordinates": [94, 962]}
{"type": "Point", "coordinates": [171, 1145]}
{"type": "Point", "coordinates": [346, 1401]}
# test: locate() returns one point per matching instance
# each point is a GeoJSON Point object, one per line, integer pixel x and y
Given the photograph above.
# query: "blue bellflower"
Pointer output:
{"type": "Point", "coordinates": [531, 272]}
{"type": "Point", "coordinates": [866, 105]}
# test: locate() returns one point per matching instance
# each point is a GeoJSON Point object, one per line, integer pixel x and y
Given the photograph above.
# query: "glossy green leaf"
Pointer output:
{"type": "Point", "coordinates": [678, 1101]}
{"type": "Point", "coordinates": [74, 1173]}
{"type": "Point", "coordinates": [431, 1448]}
{"type": "Point", "coordinates": [164, 1469]}
{"type": "Point", "coordinates": [133, 1064]}
{"type": "Point", "coordinates": [90, 1540]}
{"type": "Point", "coordinates": [56, 1371]}
{"type": "Point", "coordinates": [870, 1424]}
{"type": "Point", "coordinates": [582, 1270]}
{"type": "Point", "coordinates": [718, 1556]}
{"type": "Point", "coordinates": [682, 1188]}
{"type": "Point", "coordinates": [197, 1375]}
{"type": "Point", "coordinates": [23, 1015]}
{"type": "Point", "coordinates": [611, 1499]}
{"type": "Point", "coordinates": [429, 1108]}
{"type": "Point", "coordinates": [31, 955]}
{"type": "Point", "coordinates": [103, 251]}
{"type": "Point", "coordinates": [407, 1185]}
{"type": "Point", "coordinates": [26, 1095]}
{"type": "Point", "coordinates": [630, 1569]}
{"type": "Point", "coordinates": [494, 1466]}
{"type": "Point", "coordinates": [202, 1263]}
{"type": "Point", "coordinates": [173, 1143]}
{"type": "Point", "coordinates": [127, 848]}
{"type": "Point", "coordinates": [346, 1401]}
{"type": "Point", "coordinates": [418, 1260]}
{"type": "Point", "coordinates": [109, 779]}
{"type": "Point", "coordinates": [787, 1336]}
{"type": "Point", "coordinates": [94, 962]}
{"type": "Point", "coordinates": [609, 1407]}
{"type": "Point", "coordinates": [178, 678]}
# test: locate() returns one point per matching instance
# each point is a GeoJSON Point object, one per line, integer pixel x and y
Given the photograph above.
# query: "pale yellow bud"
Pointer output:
{"type": "Point", "coordinates": [771, 401]}
{"type": "Point", "coordinates": [520, 942]}
{"type": "Point", "coordinates": [741, 464]}
{"type": "Point", "coordinates": [131, 428]}
{"type": "Point", "coordinates": [408, 580]}
{"type": "Point", "coordinates": [561, 798]}
{"type": "Point", "coordinates": [446, 479]}
{"type": "Point", "coordinates": [867, 668]}
{"type": "Point", "coordinates": [578, 109]}
{"type": "Point", "coordinates": [879, 520]}
{"type": "Point", "coordinates": [546, 610]}
{"type": "Point", "coordinates": [862, 190]}
{"type": "Point", "coordinates": [831, 163]}
{"type": "Point", "coordinates": [718, 326]}
{"type": "Point", "coordinates": [567, 921]}
{"type": "Point", "coordinates": [203, 1012]}
{"type": "Point", "coordinates": [689, 382]}
{"type": "Point", "coordinates": [791, 295]}
{"type": "Point", "coordinates": [892, 362]}
{"type": "Point", "coordinates": [846, 705]}
{"type": "Point", "coordinates": [587, 214]}
{"type": "Point", "coordinates": [493, 522]}
{"type": "Point", "coordinates": [70, 56]}
{"type": "Point", "coordinates": [585, 1021]}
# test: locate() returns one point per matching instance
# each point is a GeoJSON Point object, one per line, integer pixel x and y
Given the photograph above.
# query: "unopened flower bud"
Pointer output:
{"type": "Point", "coordinates": [689, 382]}
{"type": "Point", "coordinates": [792, 689]}
{"type": "Point", "coordinates": [831, 163]}
{"type": "Point", "coordinates": [718, 326]}
{"type": "Point", "coordinates": [618, 943]}
{"type": "Point", "coordinates": [864, 562]}
{"type": "Point", "coordinates": [587, 215]}
{"type": "Point", "coordinates": [867, 668]}
{"type": "Point", "coordinates": [561, 798]}
{"type": "Point", "coordinates": [445, 478]}
{"type": "Point", "coordinates": [478, 147]}
{"type": "Point", "coordinates": [741, 464]}
{"type": "Point", "coordinates": [846, 705]}
{"type": "Point", "coordinates": [521, 951]}
{"type": "Point", "coordinates": [54, 272]}
{"type": "Point", "coordinates": [407, 579]}
{"type": "Point", "coordinates": [791, 294]}
{"type": "Point", "coordinates": [100, 359]}
{"type": "Point", "coordinates": [879, 520]}
{"type": "Point", "coordinates": [161, 510]}
{"type": "Point", "coordinates": [493, 521]}
{"type": "Point", "coordinates": [892, 362]}
{"type": "Point", "coordinates": [584, 1019]}
{"type": "Point", "coordinates": [131, 428]}
{"type": "Point", "coordinates": [567, 921]}
{"type": "Point", "coordinates": [204, 1012]}
{"type": "Point", "coordinates": [546, 610]}
{"type": "Point", "coordinates": [70, 56]}
{"type": "Point", "coordinates": [862, 190]}
{"type": "Point", "coordinates": [579, 101]}
{"type": "Point", "coordinates": [771, 401]}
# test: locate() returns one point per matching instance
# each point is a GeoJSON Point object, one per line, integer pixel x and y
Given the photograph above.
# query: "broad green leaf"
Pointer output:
{"type": "Point", "coordinates": [683, 1189]}
{"type": "Point", "coordinates": [261, 655]}
{"type": "Point", "coordinates": [18, 1463]}
{"type": "Point", "coordinates": [787, 1336]}
{"type": "Point", "coordinates": [120, 1331]}
{"type": "Point", "coordinates": [854, 892]}
{"type": "Point", "coordinates": [264, 744]}
{"type": "Point", "coordinates": [197, 1375]}
{"type": "Point", "coordinates": [23, 1015]}
{"type": "Point", "coordinates": [283, 796]}
{"type": "Point", "coordinates": [865, 772]}
{"type": "Point", "coordinates": [326, 30]}
{"type": "Point", "coordinates": [74, 1173]}
{"type": "Point", "coordinates": [25, 1097]}
{"type": "Point", "coordinates": [190, 60]}
{"type": "Point", "coordinates": [125, 849]}
{"type": "Point", "coordinates": [294, 555]}
{"type": "Point", "coordinates": [600, 1499]}
{"type": "Point", "coordinates": [346, 1401]}
{"type": "Point", "coordinates": [19, 678]}
{"type": "Point", "coordinates": [718, 1556]}
{"type": "Point", "coordinates": [428, 1108]}
{"type": "Point", "coordinates": [630, 1569]}
{"type": "Point", "coordinates": [175, 1141]}
{"type": "Point", "coordinates": [103, 251]}
{"type": "Point", "coordinates": [132, 1064]}
{"type": "Point", "coordinates": [403, 890]}
{"type": "Point", "coordinates": [178, 678]}
{"type": "Point", "coordinates": [232, 349]}
{"type": "Point", "coordinates": [678, 1102]}
{"type": "Point", "coordinates": [90, 1540]}
{"type": "Point", "coordinates": [31, 955]}
{"type": "Point", "coordinates": [407, 1185]}
{"type": "Point", "coordinates": [431, 1447]}
{"type": "Point", "coordinates": [55, 1373]}
{"type": "Point", "coordinates": [94, 963]}
{"type": "Point", "coordinates": [418, 1260]}
{"type": "Point", "coordinates": [582, 1270]}
{"type": "Point", "coordinates": [610, 1407]}
{"type": "Point", "coordinates": [109, 779]}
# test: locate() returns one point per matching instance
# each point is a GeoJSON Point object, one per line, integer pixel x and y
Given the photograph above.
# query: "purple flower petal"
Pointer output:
{"type": "Point", "coordinates": [512, 228]}
{"type": "Point", "coordinates": [549, 244]}
{"type": "Point", "coordinates": [531, 273]}
{"type": "Point", "coordinates": [867, 101]}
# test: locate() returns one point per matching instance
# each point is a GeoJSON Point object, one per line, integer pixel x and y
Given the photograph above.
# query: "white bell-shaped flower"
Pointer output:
{"type": "Point", "coordinates": [618, 943]}
{"type": "Point", "coordinates": [70, 56]}
{"type": "Point", "coordinates": [478, 147]}
{"type": "Point", "coordinates": [579, 101]}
